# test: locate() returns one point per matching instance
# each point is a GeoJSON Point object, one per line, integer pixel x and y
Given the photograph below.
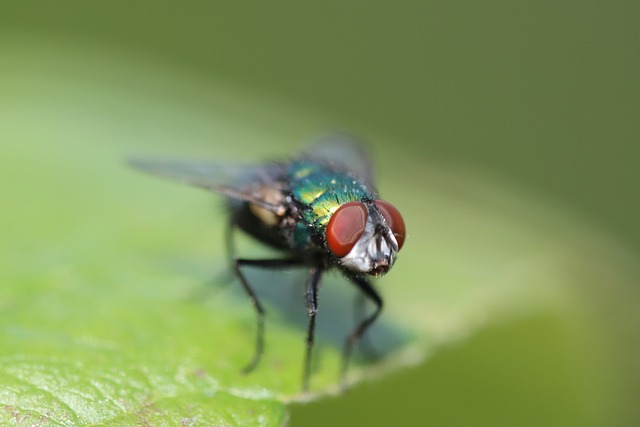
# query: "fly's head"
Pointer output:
{"type": "Point", "coordinates": [366, 236]}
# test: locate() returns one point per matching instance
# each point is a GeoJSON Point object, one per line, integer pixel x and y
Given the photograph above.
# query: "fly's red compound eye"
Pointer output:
{"type": "Point", "coordinates": [394, 220]}
{"type": "Point", "coordinates": [346, 227]}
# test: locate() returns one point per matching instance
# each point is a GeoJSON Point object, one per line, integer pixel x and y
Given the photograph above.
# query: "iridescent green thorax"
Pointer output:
{"type": "Point", "coordinates": [323, 191]}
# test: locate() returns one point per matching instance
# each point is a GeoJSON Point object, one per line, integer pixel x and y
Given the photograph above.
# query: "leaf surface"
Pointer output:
{"type": "Point", "coordinates": [115, 303]}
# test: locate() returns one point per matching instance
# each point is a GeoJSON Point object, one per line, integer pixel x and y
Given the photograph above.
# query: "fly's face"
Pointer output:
{"type": "Point", "coordinates": [366, 236]}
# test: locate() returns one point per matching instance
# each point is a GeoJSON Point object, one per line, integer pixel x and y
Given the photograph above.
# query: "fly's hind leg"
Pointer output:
{"type": "Point", "coordinates": [236, 265]}
{"type": "Point", "coordinates": [266, 264]}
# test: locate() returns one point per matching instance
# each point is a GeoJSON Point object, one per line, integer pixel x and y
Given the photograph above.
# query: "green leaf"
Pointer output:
{"type": "Point", "coordinates": [115, 304]}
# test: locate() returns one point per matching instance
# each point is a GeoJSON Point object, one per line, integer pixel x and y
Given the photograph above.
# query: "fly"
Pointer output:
{"type": "Point", "coordinates": [320, 210]}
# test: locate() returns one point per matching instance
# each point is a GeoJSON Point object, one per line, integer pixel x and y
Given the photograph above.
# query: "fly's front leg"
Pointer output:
{"type": "Point", "coordinates": [369, 292]}
{"type": "Point", "coordinates": [359, 311]}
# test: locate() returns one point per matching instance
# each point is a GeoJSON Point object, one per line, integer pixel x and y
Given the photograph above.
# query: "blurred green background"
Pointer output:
{"type": "Point", "coordinates": [544, 94]}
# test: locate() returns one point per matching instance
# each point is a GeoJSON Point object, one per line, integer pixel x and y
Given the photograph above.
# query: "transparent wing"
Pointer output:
{"type": "Point", "coordinates": [345, 151]}
{"type": "Point", "coordinates": [234, 181]}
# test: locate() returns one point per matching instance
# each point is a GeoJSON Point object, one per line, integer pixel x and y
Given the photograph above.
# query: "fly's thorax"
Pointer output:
{"type": "Point", "coordinates": [318, 191]}
{"type": "Point", "coordinates": [366, 236]}
{"type": "Point", "coordinates": [322, 190]}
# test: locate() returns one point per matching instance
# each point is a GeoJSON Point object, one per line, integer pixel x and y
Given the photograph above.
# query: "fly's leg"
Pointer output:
{"type": "Point", "coordinates": [225, 277]}
{"type": "Point", "coordinates": [230, 243]}
{"type": "Point", "coordinates": [266, 264]}
{"type": "Point", "coordinates": [236, 265]}
{"type": "Point", "coordinates": [219, 280]}
{"type": "Point", "coordinates": [313, 283]}
{"type": "Point", "coordinates": [366, 344]}
{"type": "Point", "coordinates": [368, 291]}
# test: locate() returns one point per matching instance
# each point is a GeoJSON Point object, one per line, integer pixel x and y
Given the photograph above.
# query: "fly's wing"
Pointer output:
{"type": "Point", "coordinates": [236, 182]}
{"type": "Point", "coordinates": [345, 152]}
